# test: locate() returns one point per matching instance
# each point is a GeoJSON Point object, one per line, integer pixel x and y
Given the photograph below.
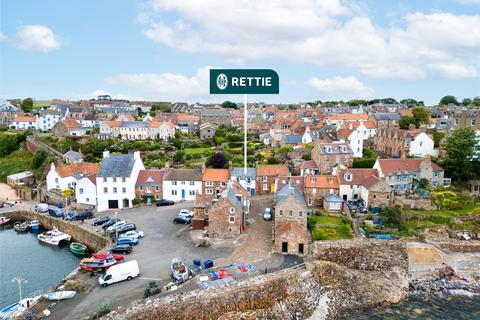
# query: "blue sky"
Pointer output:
{"type": "Point", "coordinates": [162, 49]}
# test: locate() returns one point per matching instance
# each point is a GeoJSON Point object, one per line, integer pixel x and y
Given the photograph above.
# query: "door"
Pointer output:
{"type": "Point", "coordinates": [345, 197]}
{"type": "Point", "coordinates": [183, 193]}
{"type": "Point", "coordinates": [284, 247]}
{"type": "Point", "coordinates": [113, 204]}
{"type": "Point", "coordinates": [126, 203]}
{"type": "Point", "coordinates": [300, 248]}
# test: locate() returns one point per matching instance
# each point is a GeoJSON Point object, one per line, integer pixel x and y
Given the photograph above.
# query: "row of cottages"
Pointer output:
{"type": "Point", "coordinates": [137, 130]}
{"type": "Point", "coordinates": [68, 128]}
{"type": "Point", "coordinates": [398, 143]}
{"type": "Point", "coordinates": [330, 155]}
{"type": "Point", "coordinates": [355, 133]}
{"type": "Point", "coordinates": [402, 174]}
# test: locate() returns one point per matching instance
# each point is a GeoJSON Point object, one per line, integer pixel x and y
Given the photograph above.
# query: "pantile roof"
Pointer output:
{"type": "Point", "coordinates": [150, 177]}
{"type": "Point", "coordinates": [25, 119]}
{"type": "Point", "coordinates": [219, 175]}
{"type": "Point", "coordinates": [391, 166]}
{"type": "Point", "coordinates": [272, 170]}
{"type": "Point", "coordinates": [358, 176]}
{"type": "Point", "coordinates": [84, 168]}
{"type": "Point", "coordinates": [321, 182]}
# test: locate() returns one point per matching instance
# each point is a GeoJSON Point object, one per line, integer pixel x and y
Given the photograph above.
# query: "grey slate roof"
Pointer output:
{"type": "Point", "coordinates": [287, 190]}
{"type": "Point", "coordinates": [238, 172]}
{"type": "Point", "coordinates": [292, 139]}
{"type": "Point", "coordinates": [233, 199]}
{"type": "Point", "coordinates": [387, 116]}
{"type": "Point", "coordinates": [73, 155]}
{"type": "Point", "coordinates": [6, 106]}
{"type": "Point", "coordinates": [183, 175]}
{"type": "Point", "coordinates": [134, 124]}
{"type": "Point", "coordinates": [117, 165]}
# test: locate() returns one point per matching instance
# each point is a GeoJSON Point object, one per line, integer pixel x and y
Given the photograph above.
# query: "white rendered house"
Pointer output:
{"type": "Point", "coordinates": [182, 184]}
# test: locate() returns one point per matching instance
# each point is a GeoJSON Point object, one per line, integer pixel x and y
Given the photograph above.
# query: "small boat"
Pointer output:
{"type": "Point", "coordinates": [34, 224]}
{"type": "Point", "coordinates": [179, 270]}
{"type": "Point", "coordinates": [16, 309]}
{"type": "Point", "coordinates": [103, 262]}
{"type": "Point", "coordinates": [78, 248]}
{"type": "Point", "coordinates": [20, 226]}
{"type": "Point", "coordinates": [54, 237]}
{"type": "Point", "coordinates": [60, 295]}
{"type": "Point", "coordinates": [117, 257]}
{"type": "Point", "coordinates": [4, 221]}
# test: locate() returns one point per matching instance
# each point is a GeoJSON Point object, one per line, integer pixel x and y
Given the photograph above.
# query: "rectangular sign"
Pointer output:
{"type": "Point", "coordinates": [243, 81]}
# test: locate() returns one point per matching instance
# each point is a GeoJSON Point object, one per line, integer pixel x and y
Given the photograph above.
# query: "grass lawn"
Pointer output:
{"type": "Point", "coordinates": [18, 161]}
{"type": "Point", "coordinates": [193, 151]}
{"type": "Point", "coordinates": [329, 228]}
{"type": "Point", "coordinates": [42, 103]}
{"type": "Point", "coordinates": [445, 213]}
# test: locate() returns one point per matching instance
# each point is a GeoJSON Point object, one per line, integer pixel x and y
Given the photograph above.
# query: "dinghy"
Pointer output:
{"type": "Point", "coordinates": [60, 295]}
{"type": "Point", "coordinates": [20, 226]}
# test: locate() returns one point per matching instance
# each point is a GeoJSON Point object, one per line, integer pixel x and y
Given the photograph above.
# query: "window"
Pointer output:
{"type": "Point", "coordinates": [192, 183]}
{"type": "Point", "coordinates": [182, 182]}
{"type": "Point", "coordinates": [224, 184]}
{"type": "Point", "coordinates": [157, 197]}
{"type": "Point", "coordinates": [232, 210]}
{"type": "Point", "coordinates": [265, 187]}
{"type": "Point", "coordinates": [264, 178]}
{"type": "Point", "coordinates": [123, 179]}
{"type": "Point", "coordinates": [174, 192]}
{"type": "Point", "coordinates": [141, 188]}
{"type": "Point", "coordinates": [290, 213]}
{"type": "Point", "coordinates": [191, 192]}
{"type": "Point", "coordinates": [374, 196]}
{"type": "Point", "coordinates": [280, 212]}
{"type": "Point", "coordinates": [231, 219]}
{"type": "Point", "coordinates": [81, 190]}
{"type": "Point", "coordinates": [105, 190]}
{"type": "Point", "coordinates": [310, 201]}
{"type": "Point", "coordinates": [174, 183]}
{"type": "Point", "coordinates": [156, 188]}
{"type": "Point", "coordinates": [300, 214]}
{"type": "Point", "coordinates": [314, 190]}
{"type": "Point", "coordinates": [56, 180]}
{"type": "Point", "coordinates": [114, 179]}
{"type": "Point", "coordinates": [473, 122]}
{"type": "Point", "coordinates": [104, 179]}
{"type": "Point", "coordinates": [209, 191]}
{"type": "Point", "coordinates": [114, 190]}
{"type": "Point", "coordinates": [124, 190]}
{"type": "Point", "coordinates": [209, 183]}
{"type": "Point", "coordinates": [388, 197]}
{"type": "Point", "coordinates": [87, 199]}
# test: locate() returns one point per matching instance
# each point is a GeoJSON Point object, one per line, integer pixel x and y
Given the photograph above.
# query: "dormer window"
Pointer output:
{"type": "Point", "coordinates": [232, 210]}
{"type": "Point", "coordinates": [313, 179]}
{"type": "Point", "coordinates": [348, 176]}
{"type": "Point", "coordinates": [330, 180]}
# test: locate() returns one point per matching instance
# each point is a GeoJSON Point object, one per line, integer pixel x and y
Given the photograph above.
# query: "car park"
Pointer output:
{"type": "Point", "coordinates": [126, 227]}
{"type": "Point", "coordinates": [134, 233]}
{"type": "Point", "coordinates": [119, 272]}
{"type": "Point", "coordinates": [110, 223]}
{"type": "Point", "coordinates": [182, 220]}
{"type": "Point", "coordinates": [100, 221]}
{"type": "Point", "coordinates": [267, 214]}
{"type": "Point", "coordinates": [127, 240]}
{"type": "Point", "coordinates": [121, 248]}
{"type": "Point", "coordinates": [165, 202]}
{"type": "Point", "coordinates": [82, 215]}
{"type": "Point", "coordinates": [116, 225]}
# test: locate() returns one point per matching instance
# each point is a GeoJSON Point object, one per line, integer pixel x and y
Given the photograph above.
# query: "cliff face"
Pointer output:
{"type": "Point", "coordinates": [351, 275]}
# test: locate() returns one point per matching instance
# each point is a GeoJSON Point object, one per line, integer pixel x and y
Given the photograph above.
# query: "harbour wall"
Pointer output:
{"type": "Point", "coordinates": [79, 233]}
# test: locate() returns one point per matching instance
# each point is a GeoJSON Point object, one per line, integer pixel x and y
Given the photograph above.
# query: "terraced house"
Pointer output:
{"type": "Point", "coordinates": [267, 175]}
{"type": "Point", "coordinates": [137, 130]}
{"type": "Point", "coordinates": [328, 155]}
{"type": "Point", "coordinates": [214, 181]}
{"type": "Point", "coordinates": [317, 187]}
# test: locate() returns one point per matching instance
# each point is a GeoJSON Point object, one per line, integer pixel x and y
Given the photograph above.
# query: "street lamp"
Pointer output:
{"type": "Point", "coordinates": [19, 281]}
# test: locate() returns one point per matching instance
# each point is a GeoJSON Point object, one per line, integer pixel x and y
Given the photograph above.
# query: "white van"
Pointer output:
{"type": "Point", "coordinates": [119, 272]}
{"type": "Point", "coordinates": [41, 207]}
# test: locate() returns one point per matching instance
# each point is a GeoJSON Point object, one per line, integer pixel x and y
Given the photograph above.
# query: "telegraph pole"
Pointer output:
{"type": "Point", "coordinates": [245, 135]}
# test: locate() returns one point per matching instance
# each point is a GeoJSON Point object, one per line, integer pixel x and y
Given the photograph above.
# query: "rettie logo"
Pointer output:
{"type": "Point", "coordinates": [222, 81]}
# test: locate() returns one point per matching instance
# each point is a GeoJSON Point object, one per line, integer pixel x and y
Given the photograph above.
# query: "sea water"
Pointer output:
{"type": "Point", "coordinates": [42, 265]}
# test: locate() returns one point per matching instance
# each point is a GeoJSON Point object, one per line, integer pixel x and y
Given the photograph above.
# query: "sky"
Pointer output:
{"type": "Point", "coordinates": [161, 50]}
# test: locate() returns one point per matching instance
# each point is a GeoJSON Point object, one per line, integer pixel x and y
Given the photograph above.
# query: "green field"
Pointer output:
{"type": "Point", "coordinates": [329, 228]}
{"type": "Point", "coordinates": [42, 103]}
{"type": "Point", "coordinates": [192, 151]}
{"type": "Point", "coordinates": [445, 213]}
{"type": "Point", "coordinates": [18, 161]}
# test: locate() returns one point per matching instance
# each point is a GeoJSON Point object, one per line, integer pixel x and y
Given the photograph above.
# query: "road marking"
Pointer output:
{"type": "Point", "coordinates": [150, 279]}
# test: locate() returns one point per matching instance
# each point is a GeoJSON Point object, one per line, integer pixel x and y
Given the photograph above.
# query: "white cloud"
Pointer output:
{"type": "Point", "coordinates": [342, 87]}
{"type": "Point", "coordinates": [95, 93]}
{"type": "Point", "coordinates": [453, 70]}
{"type": "Point", "coordinates": [38, 38]}
{"type": "Point", "coordinates": [323, 33]}
{"type": "Point", "coordinates": [166, 86]}
{"type": "Point", "coordinates": [2, 36]}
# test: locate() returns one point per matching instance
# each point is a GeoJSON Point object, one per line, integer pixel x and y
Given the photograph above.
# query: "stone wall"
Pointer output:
{"type": "Point", "coordinates": [417, 204]}
{"type": "Point", "coordinates": [79, 233]}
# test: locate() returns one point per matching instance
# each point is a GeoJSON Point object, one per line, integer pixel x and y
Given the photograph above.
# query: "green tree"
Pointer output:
{"type": "Point", "coordinates": [27, 105]}
{"type": "Point", "coordinates": [461, 145]}
{"type": "Point", "coordinates": [421, 115]}
{"type": "Point", "coordinates": [437, 137]}
{"type": "Point", "coordinates": [179, 156]}
{"type": "Point", "coordinates": [218, 160]}
{"type": "Point", "coordinates": [229, 105]}
{"type": "Point", "coordinates": [273, 160]}
{"type": "Point", "coordinates": [8, 144]}
{"type": "Point", "coordinates": [392, 216]}
{"type": "Point", "coordinates": [405, 122]}
{"type": "Point", "coordinates": [475, 102]}
{"type": "Point", "coordinates": [443, 198]}
{"type": "Point", "coordinates": [39, 158]}
{"type": "Point", "coordinates": [466, 101]}
{"type": "Point", "coordinates": [448, 100]}
{"type": "Point", "coordinates": [356, 102]}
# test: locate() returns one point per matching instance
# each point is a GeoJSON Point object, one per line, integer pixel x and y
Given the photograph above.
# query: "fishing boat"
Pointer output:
{"type": "Point", "coordinates": [20, 226]}
{"type": "Point", "coordinates": [34, 224]}
{"type": "Point", "coordinates": [16, 309]}
{"type": "Point", "coordinates": [54, 237]}
{"type": "Point", "coordinates": [4, 221]}
{"type": "Point", "coordinates": [117, 257]}
{"type": "Point", "coordinates": [60, 295]}
{"type": "Point", "coordinates": [103, 262]}
{"type": "Point", "coordinates": [78, 248]}
{"type": "Point", "coordinates": [179, 270]}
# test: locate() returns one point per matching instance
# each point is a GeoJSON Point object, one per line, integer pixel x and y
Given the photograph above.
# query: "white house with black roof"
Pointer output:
{"type": "Point", "coordinates": [116, 180]}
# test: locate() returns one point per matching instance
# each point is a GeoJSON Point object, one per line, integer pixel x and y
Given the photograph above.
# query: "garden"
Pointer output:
{"type": "Point", "coordinates": [325, 227]}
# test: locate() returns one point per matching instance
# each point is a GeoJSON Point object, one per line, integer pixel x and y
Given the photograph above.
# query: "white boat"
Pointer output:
{"type": "Point", "coordinates": [179, 270]}
{"type": "Point", "coordinates": [20, 226]}
{"type": "Point", "coordinates": [17, 308]}
{"type": "Point", "coordinates": [60, 295]}
{"type": "Point", "coordinates": [54, 237]}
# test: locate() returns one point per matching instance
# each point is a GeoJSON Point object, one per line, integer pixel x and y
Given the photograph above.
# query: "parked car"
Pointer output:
{"type": "Point", "coordinates": [110, 222]}
{"type": "Point", "coordinates": [8, 204]}
{"type": "Point", "coordinates": [165, 202]}
{"type": "Point", "coordinates": [131, 241]}
{"type": "Point", "coordinates": [119, 272]}
{"type": "Point", "coordinates": [182, 219]}
{"type": "Point", "coordinates": [116, 225]}
{"type": "Point", "coordinates": [186, 213]}
{"type": "Point", "coordinates": [55, 212]}
{"type": "Point", "coordinates": [2, 204]}
{"type": "Point", "coordinates": [126, 227]}
{"type": "Point", "coordinates": [82, 215]}
{"type": "Point", "coordinates": [100, 221]}
{"type": "Point", "coordinates": [41, 207]}
{"type": "Point", "coordinates": [134, 233]}
{"type": "Point", "coordinates": [121, 248]}
{"type": "Point", "coordinates": [267, 214]}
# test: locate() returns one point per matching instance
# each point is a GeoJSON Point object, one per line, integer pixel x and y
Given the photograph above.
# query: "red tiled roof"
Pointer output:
{"type": "Point", "coordinates": [390, 166]}
{"type": "Point", "coordinates": [113, 123]}
{"type": "Point", "coordinates": [348, 117]}
{"type": "Point", "coordinates": [187, 117]}
{"type": "Point", "coordinates": [157, 124]}
{"type": "Point", "coordinates": [297, 181]}
{"type": "Point", "coordinates": [293, 226]}
{"type": "Point", "coordinates": [359, 176]}
{"type": "Point", "coordinates": [150, 176]}
{"type": "Point", "coordinates": [219, 175]}
{"type": "Point", "coordinates": [85, 168]}
{"type": "Point", "coordinates": [272, 170]}
{"type": "Point", "coordinates": [308, 164]}
{"type": "Point", "coordinates": [25, 119]}
{"type": "Point", "coordinates": [71, 123]}
{"type": "Point", "coordinates": [322, 182]}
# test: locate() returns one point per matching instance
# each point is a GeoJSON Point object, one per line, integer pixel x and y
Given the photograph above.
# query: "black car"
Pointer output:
{"type": "Point", "coordinates": [100, 221]}
{"type": "Point", "coordinates": [121, 248]}
{"type": "Point", "coordinates": [126, 227]}
{"type": "Point", "coordinates": [83, 215]}
{"type": "Point", "coordinates": [165, 202]}
{"type": "Point", "coordinates": [110, 222]}
{"type": "Point", "coordinates": [182, 219]}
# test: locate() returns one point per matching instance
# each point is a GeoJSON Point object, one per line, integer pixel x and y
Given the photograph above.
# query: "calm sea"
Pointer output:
{"type": "Point", "coordinates": [42, 265]}
{"type": "Point", "coordinates": [457, 307]}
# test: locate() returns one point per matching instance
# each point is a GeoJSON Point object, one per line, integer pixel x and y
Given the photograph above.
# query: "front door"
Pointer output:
{"type": "Point", "coordinates": [113, 204]}
{"type": "Point", "coordinates": [183, 193]}
{"type": "Point", "coordinates": [126, 203]}
{"type": "Point", "coordinates": [284, 247]}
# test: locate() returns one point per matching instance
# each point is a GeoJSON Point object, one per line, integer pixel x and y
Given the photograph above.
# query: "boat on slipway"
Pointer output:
{"type": "Point", "coordinates": [16, 309]}
{"type": "Point", "coordinates": [54, 237]}
{"type": "Point", "coordinates": [78, 248]}
{"type": "Point", "coordinates": [60, 295]}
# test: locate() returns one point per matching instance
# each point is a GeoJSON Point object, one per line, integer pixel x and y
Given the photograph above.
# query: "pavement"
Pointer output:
{"type": "Point", "coordinates": [163, 241]}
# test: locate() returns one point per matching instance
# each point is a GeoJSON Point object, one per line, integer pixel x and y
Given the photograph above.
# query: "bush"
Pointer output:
{"type": "Point", "coordinates": [104, 309]}
{"type": "Point", "coordinates": [75, 285]}
{"type": "Point", "coordinates": [39, 158]}
{"type": "Point", "coordinates": [363, 163]}
{"type": "Point", "coordinates": [319, 235]}
{"type": "Point", "coordinates": [135, 202]}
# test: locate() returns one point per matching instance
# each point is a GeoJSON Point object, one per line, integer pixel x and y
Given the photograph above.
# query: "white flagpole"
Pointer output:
{"type": "Point", "coordinates": [245, 134]}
